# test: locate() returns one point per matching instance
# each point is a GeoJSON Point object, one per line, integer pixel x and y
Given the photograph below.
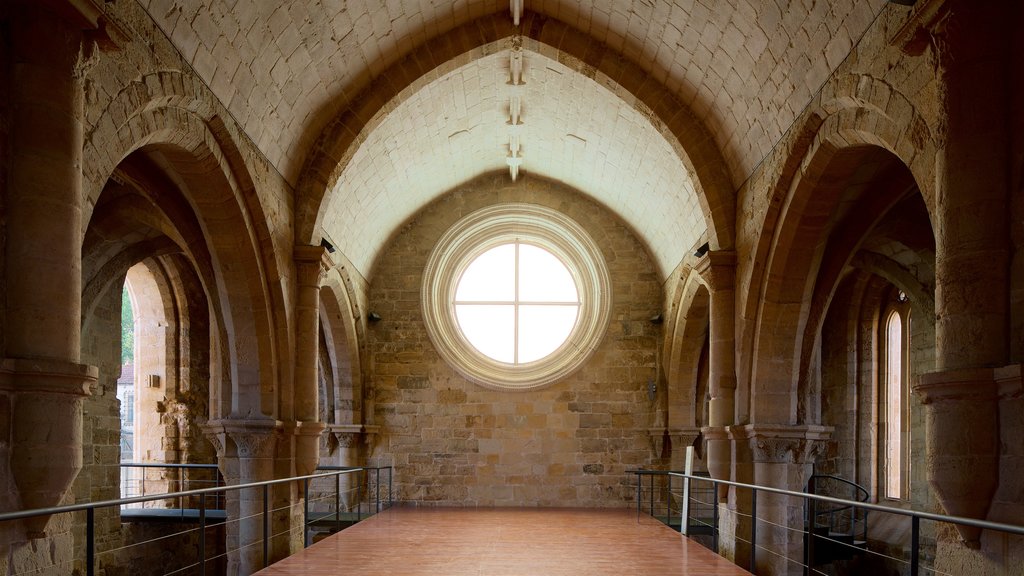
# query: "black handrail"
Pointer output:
{"type": "Point", "coordinates": [181, 467]}
{"type": "Point", "coordinates": [684, 522]}
{"type": "Point", "coordinates": [90, 507]}
{"type": "Point", "coordinates": [358, 495]}
{"type": "Point", "coordinates": [914, 515]}
{"type": "Point", "coordinates": [835, 523]}
{"type": "Point", "coordinates": [376, 470]}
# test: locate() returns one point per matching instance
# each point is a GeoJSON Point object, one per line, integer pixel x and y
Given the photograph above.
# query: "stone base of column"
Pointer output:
{"type": "Point", "coordinates": [45, 403]}
{"type": "Point", "coordinates": [961, 408]}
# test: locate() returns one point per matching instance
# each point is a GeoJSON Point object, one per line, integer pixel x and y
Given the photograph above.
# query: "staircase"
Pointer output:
{"type": "Point", "coordinates": [837, 532]}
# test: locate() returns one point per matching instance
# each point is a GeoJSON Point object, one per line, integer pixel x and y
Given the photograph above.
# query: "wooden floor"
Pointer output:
{"type": "Point", "coordinates": [498, 541]}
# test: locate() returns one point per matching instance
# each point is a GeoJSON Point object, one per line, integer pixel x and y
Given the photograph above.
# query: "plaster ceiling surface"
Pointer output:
{"type": "Point", "coordinates": [573, 130]}
{"type": "Point", "coordinates": [746, 69]}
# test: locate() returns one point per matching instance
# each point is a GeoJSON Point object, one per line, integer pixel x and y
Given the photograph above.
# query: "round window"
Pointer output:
{"type": "Point", "coordinates": [515, 296]}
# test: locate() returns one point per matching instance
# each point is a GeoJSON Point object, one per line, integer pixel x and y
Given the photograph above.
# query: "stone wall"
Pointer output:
{"type": "Point", "coordinates": [456, 443]}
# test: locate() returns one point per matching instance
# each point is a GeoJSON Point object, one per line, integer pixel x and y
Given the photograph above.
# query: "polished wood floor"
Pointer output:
{"type": "Point", "coordinates": [505, 541]}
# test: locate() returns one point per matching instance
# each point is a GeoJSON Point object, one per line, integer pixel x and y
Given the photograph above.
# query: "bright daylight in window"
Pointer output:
{"type": "Point", "coordinates": [516, 303]}
{"type": "Point", "coordinates": [515, 296]}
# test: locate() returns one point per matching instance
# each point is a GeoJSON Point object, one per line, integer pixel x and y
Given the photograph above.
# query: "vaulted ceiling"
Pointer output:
{"type": "Point", "coordinates": [284, 70]}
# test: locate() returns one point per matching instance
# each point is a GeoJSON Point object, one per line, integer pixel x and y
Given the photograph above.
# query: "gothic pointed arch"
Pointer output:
{"type": "Point", "coordinates": [858, 115]}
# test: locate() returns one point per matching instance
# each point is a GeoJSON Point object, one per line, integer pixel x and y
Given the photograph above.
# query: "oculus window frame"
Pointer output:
{"type": "Point", "coordinates": [509, 223]}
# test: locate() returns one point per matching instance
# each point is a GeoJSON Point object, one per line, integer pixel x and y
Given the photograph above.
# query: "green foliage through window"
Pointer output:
{"type": "Point", "coordinates": [127, 327]}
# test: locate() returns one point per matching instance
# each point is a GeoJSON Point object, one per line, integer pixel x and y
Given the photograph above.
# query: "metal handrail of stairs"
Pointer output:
{"type": "Point", "coordinates": [834, 531]}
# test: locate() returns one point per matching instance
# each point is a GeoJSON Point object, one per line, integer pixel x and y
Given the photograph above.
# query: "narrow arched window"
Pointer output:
{"type": "Point", "coordinates": [894, 411]}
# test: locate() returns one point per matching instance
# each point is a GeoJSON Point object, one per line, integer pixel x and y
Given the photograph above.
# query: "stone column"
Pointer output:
{"type": "Point", "coordinates": [718, 270]}
{"type": "Point", "coordinates": [50, 55]}
{"type": "Point", "coordinates": [245, 453]}
{"type": "Point", "coordinates": [781, 457]}
{"type": "Point", "coordinates": [311, 266]}
{"type": "Point", "coordinates": [972, 47]}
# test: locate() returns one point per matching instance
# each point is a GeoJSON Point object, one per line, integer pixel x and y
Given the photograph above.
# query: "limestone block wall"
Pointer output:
{"type": "Point", "coordinates": [453, 442]}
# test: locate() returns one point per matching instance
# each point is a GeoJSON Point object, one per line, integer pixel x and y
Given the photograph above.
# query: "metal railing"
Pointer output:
{"type": "Point", "coordinates": [654, 494]}
{"type": "Point", "coordinates": [201, 546]}
{"type": "Point", "coordinates": [335, 515]}
{"type": "Point", "coordinates": [185, 476]}
{"type": "Point", "coordinates": [915, 516]}
{"type": "Point", "coordinates": [846, 524]}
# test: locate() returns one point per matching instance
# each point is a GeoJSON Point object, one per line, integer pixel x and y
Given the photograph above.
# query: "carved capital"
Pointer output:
{"type": "Point", "coordinates": [347, 439]}
{"type": "Point", "coordinates": [346, 435]}
{"type": "Point", "coordinates": [683, 437]}
{"type": "Point", "coordinates": [242, 438]}
{"type": "Point", "coordinates": [250, 444]}
{"type": "Point", "coordinates": [717, 269]}
{"type": "Point", "coordinates": [783, 444]}
{"type": "Point", "coordinates": [311, 265]}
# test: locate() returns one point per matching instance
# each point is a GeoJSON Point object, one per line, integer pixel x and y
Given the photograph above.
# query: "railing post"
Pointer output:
{"type": "Point", "coordinates": [202, 535]}
{"type": "Point", "coordinates": [668, 500]}
{"type": "Point", "coordinates": [639, 480]}
{"type": "Point", "coordinates": [337, 500]}
{"type": "Point", "coordinates": [305, 513]}
{"type": "Point", "coordinates": [391, 490]}
{"type": "Point", "coordinates": [376, 476]}
{"type": "Point", "coordinates": [181, 488]}
{"type": "Point", "coordinates": [753, 529]}
{"type": "Point", "coordinates": [652, 495]}
{"type": "Point", "coordinates": [810, 504]}
{"type": "Point", "coordinates": [90, 541]}
{"type": "Point", "coordinates": [359, 497]}
{"type": "Point", "coordinates": [714, 517]}
{"type": "Point", "coordinates": [266, 525]}
{"type": "Point", "coordinates": [915, 545]}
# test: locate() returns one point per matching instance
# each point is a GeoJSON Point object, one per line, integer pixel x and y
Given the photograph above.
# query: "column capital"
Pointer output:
{"type": "Point", "coordinates": [244, 438]}
{"type": "Point", "coordinates": [717, 268]}
{"type": "Point", "coordinates": [312, 264]}
{"type": "Point", "coordinates": [782, 444]}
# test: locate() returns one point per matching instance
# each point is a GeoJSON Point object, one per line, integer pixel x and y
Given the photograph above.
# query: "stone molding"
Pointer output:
{"type": "Point", "coordinates": [45, 459]}
{"type": "Point", "coordinates": [1009, 381]}
{"type": "Point", "coordinates": [53, 376]}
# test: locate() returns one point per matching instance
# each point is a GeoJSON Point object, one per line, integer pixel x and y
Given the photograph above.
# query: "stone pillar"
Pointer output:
{"type": "Point", "coordinates": [971, 44]}
{"type": "Point", "coordinates": [311, 266]}
{"type": "Point", "coordinates": [781, 457]}
{"type": "Point", "coordinates": [246, 452]}
{"type": "Point", "coordinates": [718, 270]}
{"type": "Point", "coordinates": [43, 251]}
